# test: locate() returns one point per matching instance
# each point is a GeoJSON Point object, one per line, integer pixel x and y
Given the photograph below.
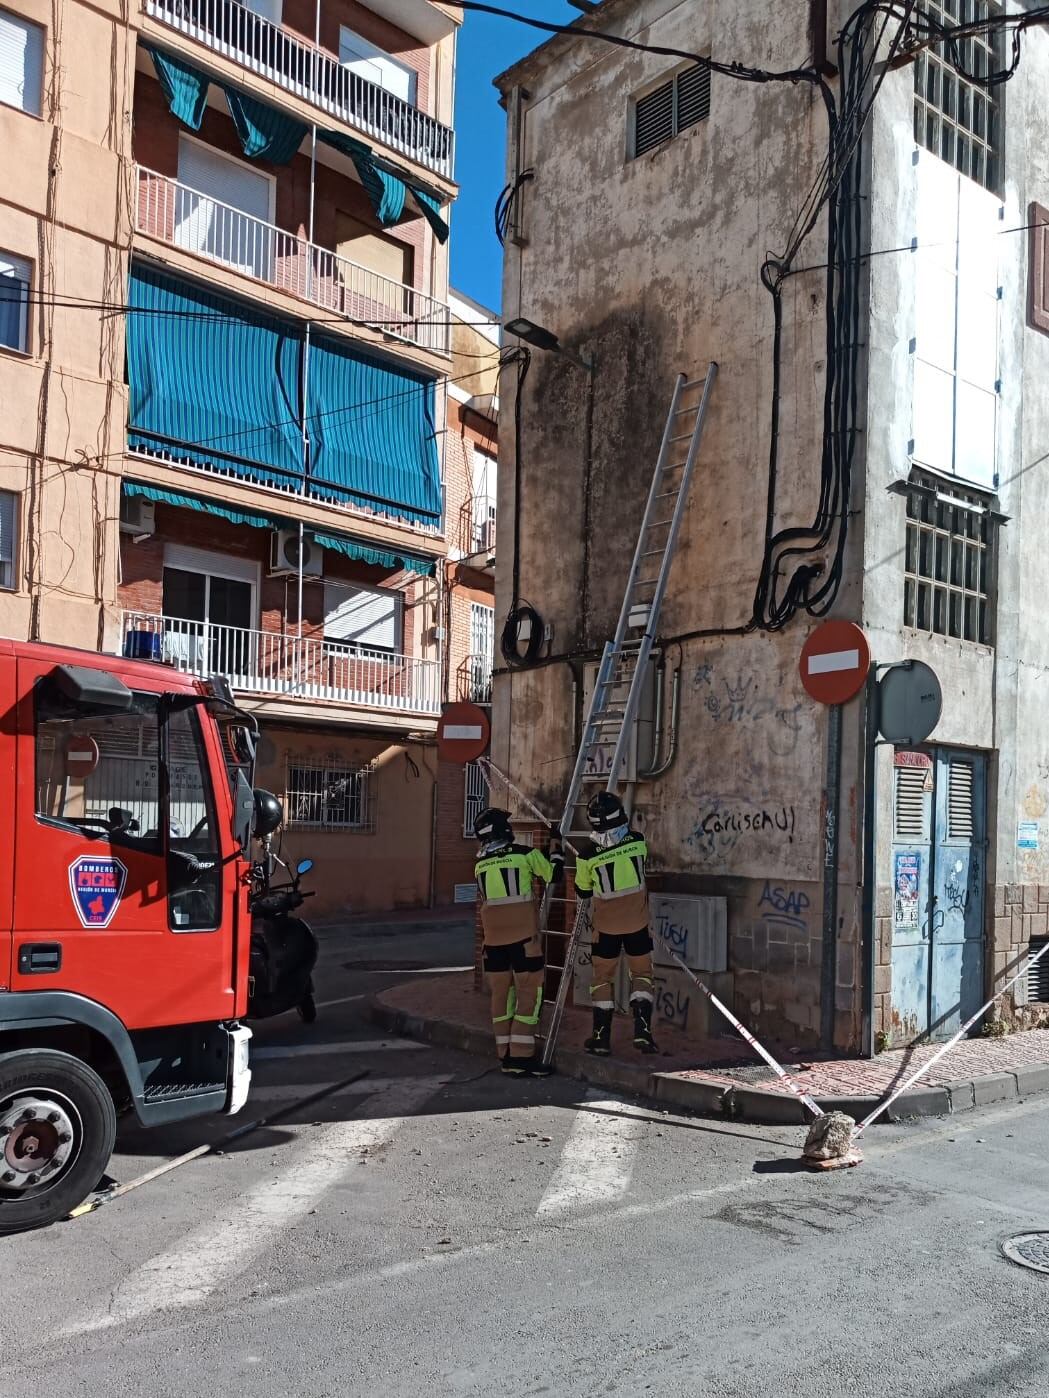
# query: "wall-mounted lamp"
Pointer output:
{"type": "Point", "coordinates": [536, 336]}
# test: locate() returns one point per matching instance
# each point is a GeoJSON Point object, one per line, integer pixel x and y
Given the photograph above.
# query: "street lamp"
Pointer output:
{"type": "Point", "coordinates": [536, 335]}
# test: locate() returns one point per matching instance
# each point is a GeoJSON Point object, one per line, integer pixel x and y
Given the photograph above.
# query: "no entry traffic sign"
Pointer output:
{"type": "Point", "coordinates": [82, 756]}
{"type": "Point", "coordinates": [462, 733]}
{"type": "Point", "coordinates": [834, 662]}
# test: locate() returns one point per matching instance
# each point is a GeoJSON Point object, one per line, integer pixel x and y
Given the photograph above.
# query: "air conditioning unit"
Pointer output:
{"type": "Point", "coordinates": [284, 554]}
{"type": "Point", "coordinates": [137, 516]}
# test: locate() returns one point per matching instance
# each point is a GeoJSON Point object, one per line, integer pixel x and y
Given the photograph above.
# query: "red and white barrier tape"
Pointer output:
{"type": "Point", "coordinates": [722, 1009]}
{"type": "Point", "coordinates": [945, 1048]}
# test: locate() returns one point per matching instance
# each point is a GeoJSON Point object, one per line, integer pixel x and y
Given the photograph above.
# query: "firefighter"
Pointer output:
{"type": "Point", "coordinates": [613, 880]}
{"type": "Point", "coordinates": [506, 875]}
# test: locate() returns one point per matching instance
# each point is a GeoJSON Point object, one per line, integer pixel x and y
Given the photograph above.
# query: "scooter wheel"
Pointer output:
{"type": "Point", "coordinates": [308, 1010]}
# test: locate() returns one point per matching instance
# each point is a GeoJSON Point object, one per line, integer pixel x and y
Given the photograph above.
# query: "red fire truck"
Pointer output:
{"type": "Point", "coordinates": [124, 925]}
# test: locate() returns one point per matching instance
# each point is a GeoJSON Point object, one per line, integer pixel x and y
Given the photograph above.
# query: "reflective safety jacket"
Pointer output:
{"type": "Point", "coordinates": [506, 883]}
{"type": "Point", "coordinates": [615, 880]}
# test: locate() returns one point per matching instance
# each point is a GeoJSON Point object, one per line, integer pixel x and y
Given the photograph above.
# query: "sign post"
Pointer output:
{"type": "Point", "coordinates": [835, 662]}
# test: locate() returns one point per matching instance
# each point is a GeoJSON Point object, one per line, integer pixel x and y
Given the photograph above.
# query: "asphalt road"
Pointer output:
{"type": "Point", "coordinates": [427, 1230]}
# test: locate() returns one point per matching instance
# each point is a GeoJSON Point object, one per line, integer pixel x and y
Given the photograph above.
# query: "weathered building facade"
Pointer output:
{"type": "Point", "coordinates": [657, 193]}
{"type": "Point", "coordinates": [225, 348]}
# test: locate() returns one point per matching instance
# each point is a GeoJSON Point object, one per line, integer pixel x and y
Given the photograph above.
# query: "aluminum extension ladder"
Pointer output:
{"type": "Point", "coordinates": [624, 664]}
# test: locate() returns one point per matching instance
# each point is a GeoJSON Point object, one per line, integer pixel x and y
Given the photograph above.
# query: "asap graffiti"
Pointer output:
{"type": "Point", "coordinates": [784, 906]}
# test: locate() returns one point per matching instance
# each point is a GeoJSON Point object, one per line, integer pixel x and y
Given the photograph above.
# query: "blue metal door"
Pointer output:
{"type": "Point", "coordinates": [957, 913]}
{"type": "Point", "coordinates": [938, 877]}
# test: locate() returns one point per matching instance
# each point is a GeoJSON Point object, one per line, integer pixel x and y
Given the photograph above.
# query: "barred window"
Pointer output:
{"type": "Point", "coordinates": [329, 796]}
{"type": "Point", "coordinates": [958, 120]}
{"type": "Point", "coordinates": [947, 570]}
{"type": "Point", "coordinates": [672, 107]}
{"type": "Point", "coordinates": [475, 797]}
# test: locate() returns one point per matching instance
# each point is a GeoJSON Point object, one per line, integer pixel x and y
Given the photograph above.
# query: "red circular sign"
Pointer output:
{"type": "Point", "coordinates": [81, 756]}
{"type": "Point", "coordinates": [834, 662]}
{"type": "Point", "coordinates": [463, 733]}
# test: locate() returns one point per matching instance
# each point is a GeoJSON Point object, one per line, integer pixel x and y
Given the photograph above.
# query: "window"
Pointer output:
{"type": "Point", "coordinates": [670, 108]}
{"type": "Point", "coordinates": [224, 209]}
{"type": "Point", "coordinates": [194, 856]}
{"type": "Point", "coordinates": [21, 63]}
{"type": "Point", "coordinates": [475, 797]}
{"type": "Point", "coordinates": [267, 9]}
{"type": "Point", "coordinates": [377, 66]}
{"type": "Point", "coordinates": [379, 253]}
{"type": "Point", "coordinates": [954, 410]}
{"type": "Point", "coordinates": [209, 610]}
{"type": "Point", "coordinates": [15, 277]}
{"type": "Point", "coordinates": [482, 652]}
{"type": "Point", "coordinates": [483, 479]}
{"type": "Point", "coordinates": [1038, 271]}
{"type": "Point", "coordinates": [955, 119]}
{"type": "Point", "coordinates": [9, 503]}
{"type": "Point", "coordinates": [118, 802]}
{"type": "Point", "coordinates": [948, 564]}
{"type": "Point", "coordinates": [329, 796]}
{"type": "Point", "coordinates": [363, 618]}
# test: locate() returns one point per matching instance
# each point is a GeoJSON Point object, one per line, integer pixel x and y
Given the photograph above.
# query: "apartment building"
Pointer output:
{"type": "Point", "coordinates": [657, 191]}
{"type": "Point", "coordinates": [224, 363]}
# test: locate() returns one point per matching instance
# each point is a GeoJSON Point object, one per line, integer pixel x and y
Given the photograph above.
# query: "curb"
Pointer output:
{"type": "Point", "coordinates": [709, 1098]}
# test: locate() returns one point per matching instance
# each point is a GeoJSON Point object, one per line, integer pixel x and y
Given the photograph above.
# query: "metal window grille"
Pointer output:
{"type": "Point", "coordinates": [947, 566]}
{"type": "Point", "coordinates": [672, 107]}
{"type": "Point", "coordinates": [958, 120]}
{"type": "Point", "coordinates": [1038, 975]}
{"type": "Point", "coordinates": [329, 796]}
{"type": "Point", "coordinates": [475, 798]}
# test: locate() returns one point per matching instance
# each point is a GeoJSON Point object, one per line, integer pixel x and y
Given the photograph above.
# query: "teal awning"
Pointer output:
{"type": "Point", "coordinates": [387, 191]}
{"type": "Point", "coordinates": [185, 88]}
{"type": "Point", "coordinates": [337, 543]}
{"type": "Point", "coordinates": [264, 132]}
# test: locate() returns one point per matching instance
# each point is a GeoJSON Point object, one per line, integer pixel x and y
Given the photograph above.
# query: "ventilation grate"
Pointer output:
{"type": "Point", "coordinates": [910, 810]}
{"type": "Point", "coordinates": [1038, 975]}
{"type": "Point", "coordinates": [654, 119]}
{"type": "Point", "coordinates": [693, 96]}
{"type": "Point", "coordinates": [960, 801]}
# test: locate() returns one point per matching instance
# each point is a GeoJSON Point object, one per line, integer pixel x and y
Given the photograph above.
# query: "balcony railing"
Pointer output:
{"type": "Point", "coordinates": [477, 526]}
{"type": "Point", "coordinates": [181, 216]}
{"type": "Point", "coordinates": [475, 680]}
{"type": "Point", "coordinates": [301, 667]}
{"type": "Point", "coordinates": [317, 77]}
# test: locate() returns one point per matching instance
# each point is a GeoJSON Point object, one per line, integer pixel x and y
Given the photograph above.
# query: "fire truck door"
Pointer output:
{"type": "Point", "coordinates": [119, 876]}
{"type": "Point", "coordinates": [8, 732]}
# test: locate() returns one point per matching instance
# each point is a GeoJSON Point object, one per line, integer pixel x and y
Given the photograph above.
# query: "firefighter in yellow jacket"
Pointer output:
{"type": "Point", "coordinates": [614, 880]}
{"type": "Point", "coordinates": [506, 876]}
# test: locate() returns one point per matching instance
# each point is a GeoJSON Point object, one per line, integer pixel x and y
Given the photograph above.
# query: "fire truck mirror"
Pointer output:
{"type": "Point", "coordinates": [243, 811]}
{"type": "Point", "coordinates": [92, 689]}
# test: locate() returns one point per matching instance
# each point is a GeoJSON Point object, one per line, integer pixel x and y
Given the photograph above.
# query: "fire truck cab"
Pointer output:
{"type": "Point", "coordinates": [124, 925]}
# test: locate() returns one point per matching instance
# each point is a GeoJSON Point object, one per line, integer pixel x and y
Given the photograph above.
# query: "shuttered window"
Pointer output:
{"type": "Point", "coordinates": [671, 108]}
{"type": "Point", "coordinates": [366, 617]}
{"type": "Point", "coordinates": [960, 801]}
{"type": "Point", "coordinates": [15, 277]}
{"type": "Point", "coordinates": [910, 823]}
{"type": "Point", "coordinates": [1038, 975]}
{"type": "Point", "coordinates": [21, 63]}
{"type": "Point", "coordinates": [1038, 272]}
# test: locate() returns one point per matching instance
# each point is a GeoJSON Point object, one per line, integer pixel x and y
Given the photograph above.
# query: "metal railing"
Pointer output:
{"type": "Point", "coordinates": [477, 526]}
{"type": "Point", "coordinates": [475, 679]}
{"type": "Point", "coordinates": [183, 217]}
{"type": "Point", "coordinates": [302, 667]}
{"type": "Point", "coordinates": [299, 67]}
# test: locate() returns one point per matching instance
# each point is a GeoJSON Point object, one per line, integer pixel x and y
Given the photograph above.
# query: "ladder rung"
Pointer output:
{"type": "Point", "coordinates": [685, 437]}
{"type": "Point", "coordinates": [694, 383]}
{"type": "Point", "coordinates": [659, 523]}
{"type": "Point", "coordinates": [646, 582]}
{"type": "Point", "coordinates": [668, 494]}
{"type": "Point", "coordinates": [652, 553]}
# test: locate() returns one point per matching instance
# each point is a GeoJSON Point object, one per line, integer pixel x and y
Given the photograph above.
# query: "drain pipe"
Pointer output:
{"type": "Point", "coordinates": [664, 766]}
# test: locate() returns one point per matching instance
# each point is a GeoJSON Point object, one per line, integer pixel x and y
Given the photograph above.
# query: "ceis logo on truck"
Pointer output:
{"type": "Point", "coordinates": [97, 886]}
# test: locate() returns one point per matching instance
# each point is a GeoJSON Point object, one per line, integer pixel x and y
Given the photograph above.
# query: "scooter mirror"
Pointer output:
{"type": "Point", "coordinates": [304, 866]}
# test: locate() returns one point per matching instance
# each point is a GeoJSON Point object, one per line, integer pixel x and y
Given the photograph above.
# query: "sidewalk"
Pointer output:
{"type": "Point", "coordinates": [722, 1075]}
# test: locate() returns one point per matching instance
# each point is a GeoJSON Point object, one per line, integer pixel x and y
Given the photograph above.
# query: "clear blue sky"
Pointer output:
{"type": "Point", "coordinates": [487, 46]}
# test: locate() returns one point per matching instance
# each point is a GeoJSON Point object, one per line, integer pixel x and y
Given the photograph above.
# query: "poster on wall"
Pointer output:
{"type": "Point", "coordinates": [1027, 834]}
{"type": "Point", "coordinates": [906, 882]}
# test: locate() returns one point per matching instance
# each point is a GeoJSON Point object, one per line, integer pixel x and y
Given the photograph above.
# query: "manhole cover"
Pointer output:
{"type": "Point", "coordinates": [1028, 1250]}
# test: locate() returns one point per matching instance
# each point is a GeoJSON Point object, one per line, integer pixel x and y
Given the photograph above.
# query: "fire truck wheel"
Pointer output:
{"type": "Point", "coordinates": [57, 1129]}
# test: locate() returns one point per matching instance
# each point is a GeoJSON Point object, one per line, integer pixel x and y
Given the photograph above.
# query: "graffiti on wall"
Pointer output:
{"type": "Point", "coordinates": [737, 699]}
{"type": "Point", "coordinates": [724, 824]}
{"type": "Point", "coordinates": [782, 906]}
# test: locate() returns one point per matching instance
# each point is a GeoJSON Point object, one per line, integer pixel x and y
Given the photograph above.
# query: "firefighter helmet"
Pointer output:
{"type": "Point", "coordinates": [605, 812]}
{"type": "Point", "coordinates": [493, 824]}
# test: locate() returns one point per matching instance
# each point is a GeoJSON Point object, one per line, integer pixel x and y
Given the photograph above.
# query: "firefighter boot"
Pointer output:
{"type": "Point", "coordinates": [643, 1039]}
{"type": "Point", "coordinates": [533, 1067]}
{"type": "Point", "coordinates": [600, 1041]}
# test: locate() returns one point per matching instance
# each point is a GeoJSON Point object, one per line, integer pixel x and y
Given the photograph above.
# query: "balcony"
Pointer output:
{"type": "Point", "coordinates": [313, 75]}
{"type": "Point", "coordinates": [301, 667]}
{"type": "Point", "coordinates": [180, 216]}
{"type": "Point", "coordinates": [475, 680]}
{"type": "Point", "coordinates": [477, 529]}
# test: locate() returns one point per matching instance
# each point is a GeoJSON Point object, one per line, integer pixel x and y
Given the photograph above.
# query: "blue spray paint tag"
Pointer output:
{"type": "Point", "coordinates": [97, 885]}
